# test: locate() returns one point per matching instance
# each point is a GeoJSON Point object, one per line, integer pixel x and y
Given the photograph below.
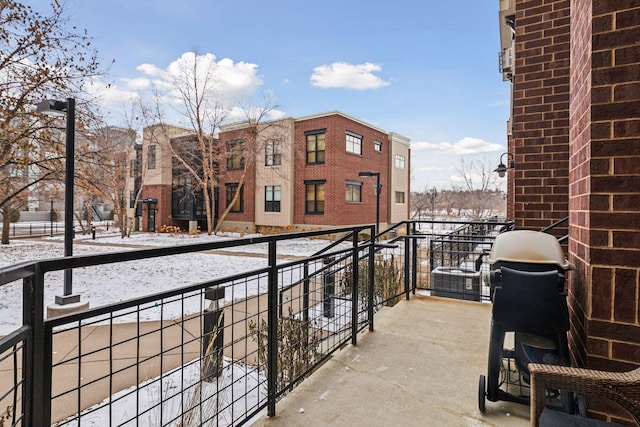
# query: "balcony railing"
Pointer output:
{"type": "Point", "coordinates": [220, 351]}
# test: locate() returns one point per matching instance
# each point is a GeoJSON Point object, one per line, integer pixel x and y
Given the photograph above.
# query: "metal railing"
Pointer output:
{"type": "Point", "coordinates": [446, 258]}
{"type": "Point", "coordinates": [220, 351]}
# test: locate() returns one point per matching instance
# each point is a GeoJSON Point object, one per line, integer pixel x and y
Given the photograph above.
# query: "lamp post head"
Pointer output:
{"type": "Point", "coordinates": [52, 107]}
{"type": "Point", "coordinates": [365, 174]}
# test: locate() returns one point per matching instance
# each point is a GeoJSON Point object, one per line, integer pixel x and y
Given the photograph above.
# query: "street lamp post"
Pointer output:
{"type": "Point", "coordinates": [378, 191]}
{"type": "Point", "coordinates": [51, 220]}
{"type": "Point", "coordinates": [68, 109]}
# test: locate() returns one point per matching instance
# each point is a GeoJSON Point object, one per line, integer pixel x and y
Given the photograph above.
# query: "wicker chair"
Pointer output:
{"type": "Point", "coordinates": [622, 388]}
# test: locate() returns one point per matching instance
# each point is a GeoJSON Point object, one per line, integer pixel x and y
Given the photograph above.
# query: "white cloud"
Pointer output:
{"type": "Point", "coordinates": [138, 83]}
{"type": "Point", "coordinates": [466, 146]}
{"type": "Point", "coordinates": [350, 76]}
{"type": "Point", "coordinates": [107, 94]}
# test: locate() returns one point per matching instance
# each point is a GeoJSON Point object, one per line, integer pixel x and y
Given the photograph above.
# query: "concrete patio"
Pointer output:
{"type": "Point", "coordinates": [420, 367]}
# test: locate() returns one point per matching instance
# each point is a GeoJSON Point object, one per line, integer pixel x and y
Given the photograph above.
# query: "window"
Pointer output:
{"type": "Point", "coordinates": [151, 159]}
{"type": "Point", "coordinates": [235, 159]}
{"type": "Point", "coordinates": [132, 199]}
{"type": "Point", "coordinates": [272, 198]}
{"type": "Point", "coordinates": [132, 168]}
{"type": "Point", "coordinates": [238, 205]}
{"type": "Point", "coordinates": [354, 143]}
{"type": "Point", "coordinates": [315, 146]}
{"type": "Point", "coordinates": [273, 153]}
{"type": "Point", "coordinates": [354, 192]}
{"type": "Point", "coordinates": [399, 161]}
{"type": "Point", "coordinates": [377, 145]}
{"type": "Point", "coordinates": [314, 197]}
{"type": "Point", "coordinates": [400, 197]}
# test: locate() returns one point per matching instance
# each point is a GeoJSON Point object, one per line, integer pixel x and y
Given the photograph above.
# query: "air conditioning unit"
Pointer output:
{"type": "Point", "coordinates": [505, 60]}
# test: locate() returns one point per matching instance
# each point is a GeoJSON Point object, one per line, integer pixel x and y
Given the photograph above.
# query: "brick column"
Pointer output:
{"type": "Point", "coordinates": [605, 187]}
{"type": "Point", "coordinates": [541, 113]}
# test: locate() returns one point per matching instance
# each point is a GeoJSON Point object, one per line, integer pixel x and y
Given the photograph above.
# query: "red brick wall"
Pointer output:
{"type": "Point", "coordinates": [163, 207]}
{"type": "Point", "coordinates": [541, 113]}
{"type": "Point", "coordinates": [340, 166]}
{"type": "Point", "coordinates": [605, 187]}
{"type": "Point", "coordinates": [614, 184]}
{"type": "Point", "coordinates": [579, 175]}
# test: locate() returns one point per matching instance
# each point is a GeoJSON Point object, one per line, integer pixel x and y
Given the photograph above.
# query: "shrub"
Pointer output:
{"type": "Point", "coordinates": [14, 215]}
{"type": "Point", "coordinates": [170, 229]}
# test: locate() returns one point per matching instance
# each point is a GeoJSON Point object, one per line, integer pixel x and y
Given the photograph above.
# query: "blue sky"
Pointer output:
{"type": "Point", "coordinates": [426, 69]}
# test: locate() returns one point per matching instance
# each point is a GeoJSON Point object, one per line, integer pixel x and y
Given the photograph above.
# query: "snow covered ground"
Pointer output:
{"type": "Point", "coordinates": [113, 283]}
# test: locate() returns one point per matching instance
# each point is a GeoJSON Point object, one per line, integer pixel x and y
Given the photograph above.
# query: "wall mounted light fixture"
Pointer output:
{"type": "Point", "coordinates": [502, 168]}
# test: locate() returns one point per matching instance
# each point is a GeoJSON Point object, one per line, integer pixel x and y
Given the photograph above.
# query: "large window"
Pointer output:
{"type": "Point", "coordinates": [400, 197]}
{"type": "Point", "coordinates": [354, 143]}
{"type": "Point", "coordinates": [238, 204]}
{"type": "Point", "coordinates": [354, 192]}
{"type": "Point", "coordinates": [272, 198]}
{"type": "Point", "coordinates": [315, 146]}
{"type": "Point", "coordinates": [235, 159]}
{"type": "Point", "coordinates": [399, 161]}
{"type": "Point", "coordinates": [314, 197]}
{"type": "Point", "coordinates": [151, 158]}
{"type": "Point", "coordinates": [273, 153]}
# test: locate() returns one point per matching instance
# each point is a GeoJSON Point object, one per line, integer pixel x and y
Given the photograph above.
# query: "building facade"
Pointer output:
{"type": "Point", "coordinates": [293, 173]}
{"type": "Point", "coordinates": [575, 76]}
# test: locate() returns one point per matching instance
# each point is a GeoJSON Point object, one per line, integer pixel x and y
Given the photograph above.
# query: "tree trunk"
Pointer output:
{"type": "Point", "coordinates": [6, 225]}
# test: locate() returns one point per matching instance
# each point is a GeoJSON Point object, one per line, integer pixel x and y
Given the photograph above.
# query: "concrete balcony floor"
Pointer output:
{"type": "Point", "coordinates": [420, 367]}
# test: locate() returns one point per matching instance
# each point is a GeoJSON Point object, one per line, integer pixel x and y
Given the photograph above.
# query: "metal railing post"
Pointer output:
{"type": "Point", "coordinates": [272, 332]}
{"type": "Point", "coordinates": [305, 292]}
{"type": "Point", "coordinates": [354, 290]}
{"type": "Point", "coordinates": [407, 254]}
{"type": "Point", "coordinates": [372, 272]}
{"type": "Point", "coordinates": [37, 357]}
{"type": "Point", "coordinates": [414, 266]}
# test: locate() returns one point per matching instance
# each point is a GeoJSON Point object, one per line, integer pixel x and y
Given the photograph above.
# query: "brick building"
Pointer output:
{"type": "Point", "coordinates": [298, 173]}
{"type": "Point", "coordinates": [574, 67]}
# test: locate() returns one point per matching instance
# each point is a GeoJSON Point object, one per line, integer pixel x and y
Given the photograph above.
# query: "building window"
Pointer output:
{"type": "Point", "coordinates": [273, 153]}
{"type": "Point", "coordinates": [354, 143]}
{"type": "Point", "coordinates": [132, 199]}
{"type": "Point", "coordinates": [315, 146]}
{"type": "Point", "coordinates": [399, 161]}
{"type": "Point", "coordinates": [238, 205]}
{"type": "Point", "coordinates": [235, 159]}
{"type": "Point", "coordinates": [400, 197]}
{"type": "Point", "coordinates": [354, 192]}
{"type": "Point", "coordinates": [377, 145]}
{"type": "Point", "coordinates": [151, 159]}
{"type": "Point", "coordinates": [272, 198]}
{"type": "Point", "coordinates": [132, 168]}
{"type": "Point", "coordinates": [314, 197]}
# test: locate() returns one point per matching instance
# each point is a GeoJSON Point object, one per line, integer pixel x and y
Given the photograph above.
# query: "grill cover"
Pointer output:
{"type": "Point", "coordinates": [526, 246]}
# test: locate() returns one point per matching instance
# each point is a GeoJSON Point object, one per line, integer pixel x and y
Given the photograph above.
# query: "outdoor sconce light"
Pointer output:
{"type": "Point", "coordinates": [502, 168]}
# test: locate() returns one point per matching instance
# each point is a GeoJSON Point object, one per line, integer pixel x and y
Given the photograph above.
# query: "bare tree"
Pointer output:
{"type": "Point", "coordinates": [253, 136]}
{"type": "Point", "coordinates": [478, 184]}
{"type": "Point", "coordinates": [199, 155]}
{"type": "Point", "coordinates": [41, 56]}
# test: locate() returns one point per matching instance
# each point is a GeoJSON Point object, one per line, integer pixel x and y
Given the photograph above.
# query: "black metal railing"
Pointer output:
{"type": "Point", "coordinates": [221, 350]}
{"type": "Point", "coordinates": [210, 353]}
{"type": "Point", "coordinates": [446, 258]}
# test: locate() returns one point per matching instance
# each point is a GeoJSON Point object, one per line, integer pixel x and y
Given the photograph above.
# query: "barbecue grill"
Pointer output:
{"type": "Point", "coordinates": [527, 277]}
